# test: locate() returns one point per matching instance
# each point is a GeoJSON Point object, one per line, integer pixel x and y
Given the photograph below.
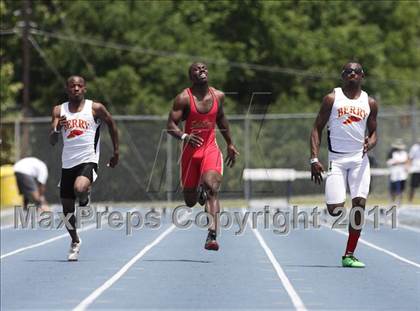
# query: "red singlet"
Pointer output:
{"type": "Point", "coordinates": [196, 161]}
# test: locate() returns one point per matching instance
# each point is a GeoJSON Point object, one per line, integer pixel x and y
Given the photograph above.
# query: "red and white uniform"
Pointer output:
{"type": "Point", "coordinates": [346, 134]}
{"type": "Point", "coordinates": [195, 161]}
{"type": "Point", "coordinates": [80, 136]}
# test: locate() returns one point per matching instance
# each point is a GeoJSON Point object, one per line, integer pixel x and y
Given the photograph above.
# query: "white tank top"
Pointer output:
{"type": "Point", "coordinates": [347, 123]}
{"type": "Point", "coordinates": [80, 136]}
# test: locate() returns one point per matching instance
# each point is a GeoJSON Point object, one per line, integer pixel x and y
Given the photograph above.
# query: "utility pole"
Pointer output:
{"type": "Point", "coordinates": [26, 56]}
{"type": "Point", "coordinates": [23, 149]}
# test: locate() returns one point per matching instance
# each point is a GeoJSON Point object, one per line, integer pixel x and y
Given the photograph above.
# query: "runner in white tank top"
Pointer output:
{"type": "Point", "coordinates": [80, 136]}
{"type": "Point", "coordinates": [350, 114]}
{"type": "Point", "coordinates": [78, 120]}
{"type": "Point", "coordinates": [347, 123]}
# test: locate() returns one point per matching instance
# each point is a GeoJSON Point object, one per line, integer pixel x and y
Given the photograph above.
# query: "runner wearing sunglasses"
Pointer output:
{"type": "Point", "coordinates": [350, 116]}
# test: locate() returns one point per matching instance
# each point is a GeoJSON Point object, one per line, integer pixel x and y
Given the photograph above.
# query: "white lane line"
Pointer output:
{"type": "Point", "coordinates": [53, 208]}
{"type": "Point", "coordinates": [19, 250]}
{"type": "Point", "coordinates": [415, 264]}
{"type": "Point", "coordinates": [408, 227]}
{"type": "Point", "coordinates": [296, 300]}
{"type": "Point", "coordinates": [97, 292]}
{"type": "Point", "coordinates": [58, 237]}
{"type": "Point", "coordinates": [91, 226]}
{"type": "Point", "coordinates": [398, 226]}
{"type": "Point", "coordinates": [11, 211]}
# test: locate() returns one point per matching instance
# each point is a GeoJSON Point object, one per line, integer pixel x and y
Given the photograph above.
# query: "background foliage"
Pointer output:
{"type": "Point", "coordinates": [135, 55]}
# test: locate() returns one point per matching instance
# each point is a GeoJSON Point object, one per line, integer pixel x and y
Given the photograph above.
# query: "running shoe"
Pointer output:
{"type": "Point", "coordinates": [74, 251]}
{"type": "Point", "coordinates": [349, 261]}
{"type": "Point", "coordinates": [211, 243]}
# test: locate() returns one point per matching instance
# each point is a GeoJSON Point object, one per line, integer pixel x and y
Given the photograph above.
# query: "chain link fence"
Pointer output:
{"type": "Point", "coordinates": [149, 158]}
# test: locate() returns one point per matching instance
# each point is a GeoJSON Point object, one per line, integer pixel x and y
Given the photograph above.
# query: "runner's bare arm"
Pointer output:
{"type": "Point", "coordinates": [223, 125]}
{"type": "Point", "coordinates": [371, 139]}
{"type": "Point", "coordinates": [57, 123]}
{"type": "Point", "coordinates": [316, 134]}
{"type": "Point", "coordinates": [176, 115]}
{"type": "Point", "coordinates": [100, 112]}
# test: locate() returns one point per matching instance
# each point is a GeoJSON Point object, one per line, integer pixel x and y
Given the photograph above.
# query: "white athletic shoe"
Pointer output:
{"type": "Point", "coordinates": [74, 251]}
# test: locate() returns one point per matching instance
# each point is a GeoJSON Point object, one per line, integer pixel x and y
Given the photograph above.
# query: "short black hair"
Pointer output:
{"type": "Point", "coordinates": [353, 61]}
{"type": "Point", "coordinates": [74, 77]}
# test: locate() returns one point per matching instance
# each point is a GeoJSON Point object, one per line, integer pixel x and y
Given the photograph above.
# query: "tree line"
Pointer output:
{"type": "Point", "coordinates": [135, 54]}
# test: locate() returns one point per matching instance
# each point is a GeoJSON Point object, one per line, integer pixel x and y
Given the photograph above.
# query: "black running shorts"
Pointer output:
{"type": "Point", "coordinates": [69, 175]}
{"type": "Point", "coordinates": [397, 187]}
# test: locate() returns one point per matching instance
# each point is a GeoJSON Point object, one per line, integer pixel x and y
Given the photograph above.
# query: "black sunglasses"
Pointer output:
{"type": "Point", "coordinates": [357, 71]}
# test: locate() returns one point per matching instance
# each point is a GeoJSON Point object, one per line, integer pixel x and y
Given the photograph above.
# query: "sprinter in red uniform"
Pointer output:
{"type": "Point", "coordinates": [201, 107]}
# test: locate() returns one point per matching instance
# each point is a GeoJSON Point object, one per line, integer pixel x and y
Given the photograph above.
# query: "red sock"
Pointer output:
{"type": "Point", "coordinates": [352, 241]}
